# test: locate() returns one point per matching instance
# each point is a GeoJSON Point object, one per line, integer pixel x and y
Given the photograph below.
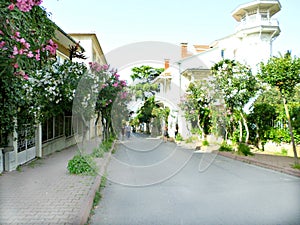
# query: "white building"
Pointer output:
{"type": "Point", "coordinates": [250, 44]}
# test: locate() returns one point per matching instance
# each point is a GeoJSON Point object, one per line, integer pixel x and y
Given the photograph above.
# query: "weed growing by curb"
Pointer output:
{"type": "Point", "coordinates": [97, 198]}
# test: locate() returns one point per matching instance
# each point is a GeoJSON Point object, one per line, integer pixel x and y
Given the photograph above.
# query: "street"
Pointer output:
{"type": "Point", "coordinates": [152, 182]}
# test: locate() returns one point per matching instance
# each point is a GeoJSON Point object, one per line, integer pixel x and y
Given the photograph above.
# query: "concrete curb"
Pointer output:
{"type": "Point", "coordinates": [88, 203]}
{"type": "Point", "coordinates": [290, 171]}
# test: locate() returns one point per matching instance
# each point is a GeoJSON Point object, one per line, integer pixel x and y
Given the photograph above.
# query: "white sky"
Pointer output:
{"type": "Point", "coordinates": [118, 23]}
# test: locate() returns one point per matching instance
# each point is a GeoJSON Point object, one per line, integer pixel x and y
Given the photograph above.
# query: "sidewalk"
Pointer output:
{"type": "Point", "coordinates": [278, 163]}
{"type": "Point", "coordinates": [45, 193]}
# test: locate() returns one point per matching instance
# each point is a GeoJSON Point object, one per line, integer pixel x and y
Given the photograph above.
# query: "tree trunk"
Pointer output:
{"type": "Point", "coordinates": [290, 129]}
{"type": "Point", "coordinates": [246, 127]}
{"type": "Point", "coordinates": [241, 131]}
{"type": "Point", "coordinates": [203, 136]}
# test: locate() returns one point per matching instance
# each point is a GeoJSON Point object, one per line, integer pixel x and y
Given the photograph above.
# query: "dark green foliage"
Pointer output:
{"type": "Point", "coordinates": [244, 149]}
{"type": "Point", "coordinates": [225, 147]}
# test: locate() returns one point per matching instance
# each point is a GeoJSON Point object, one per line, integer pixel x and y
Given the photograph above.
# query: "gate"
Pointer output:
{"type": "Point", "coordinates": [26, 144]}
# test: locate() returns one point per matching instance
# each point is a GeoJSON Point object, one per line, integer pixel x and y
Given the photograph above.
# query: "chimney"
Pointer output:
{"type": "Point", "coordinates": [184, 52]}
{"type": "Point", "coordinates": [167, 63]}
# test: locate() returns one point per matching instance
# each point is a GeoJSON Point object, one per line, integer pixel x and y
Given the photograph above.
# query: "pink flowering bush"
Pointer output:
{"type": "Point", "coordinates": [25, 45]}
{"type": "Point", "coordinates": [98, 92]}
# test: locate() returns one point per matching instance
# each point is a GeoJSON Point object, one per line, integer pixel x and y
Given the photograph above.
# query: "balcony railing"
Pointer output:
{"type": "Point", "coordinates": [255, 23]}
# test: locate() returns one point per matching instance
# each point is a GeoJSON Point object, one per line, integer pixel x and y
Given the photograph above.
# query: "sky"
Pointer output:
{"type": "Point", "coordinates": [118, 23]}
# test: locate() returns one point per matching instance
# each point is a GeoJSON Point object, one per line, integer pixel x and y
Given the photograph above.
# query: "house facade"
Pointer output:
{"type": "Point", "coordinates": [57, 132]}
{"type": "Point", "coordinates": [250, 44]}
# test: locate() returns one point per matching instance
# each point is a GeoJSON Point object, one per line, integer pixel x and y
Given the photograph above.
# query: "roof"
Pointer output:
{"type": "Point", "coordinates": [273, 6]}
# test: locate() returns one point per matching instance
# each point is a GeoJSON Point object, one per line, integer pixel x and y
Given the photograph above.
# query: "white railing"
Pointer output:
{"type": "Point", "coordinates": [255, 23]}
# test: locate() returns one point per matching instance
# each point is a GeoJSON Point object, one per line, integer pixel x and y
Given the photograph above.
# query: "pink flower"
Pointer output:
{"type": "Point", "coordinates": [30, 55]}
{"type": "Point", "coordinates": [26, 45]}
{"type": "Point", "coordinates": [2, 44]}
{"type": "Point", "coordinates": [25, 76]}
{"type": "Point", "coordinates": [115, 84]}
{"type": "Point", "coordinates": [17, 34]}
{"type": "Point", "coordinates": [16, 65]}
{"type": "Point", "coordinates": [15, 50]}
{"type": "Point", "coordinates": [37, 57]}
{"type": "Point", "coordinates": [105, 67]}
{"type": "Point", "coordinates": [21, 51]}
{"type": "Point", "coordinates": [1, 32]}
{"type": "Point", "coordinates": [11, 6]}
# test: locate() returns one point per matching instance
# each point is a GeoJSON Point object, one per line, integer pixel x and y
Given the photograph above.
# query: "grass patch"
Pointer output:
{"type": "Point", "coordinates": [244, 149]}
{"type": "Point", "coordinates": [225, 147]}
{"type": "Point", "coordinates": [296, 166]}
{"type": "Point", "coordinates": [179, 137]}
{"type": "Point", "coordinates": [191, 139]}
{"type": "Point", "coordinates": [19, 168]}
{"type": "Point", "coordinates": [97, 198]}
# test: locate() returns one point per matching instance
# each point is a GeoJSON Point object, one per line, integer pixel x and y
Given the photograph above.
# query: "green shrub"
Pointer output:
{"type": "Point", "coordinates": [225, 147]}
{"type": "Point", "coordinates": [296, 166]}
{"type": "Point", "coordinates": [244, 149]}
{"type": "Point", "coordinates": [106, 145]}
{"type": "Point", "coordinates": [179, 137]}
{"type": "Point", "coordinates": [98, 152]}
{"type": "Point", "coordinates": [82, 164]}
{"type": "Point", "coordinates": [205, 143]}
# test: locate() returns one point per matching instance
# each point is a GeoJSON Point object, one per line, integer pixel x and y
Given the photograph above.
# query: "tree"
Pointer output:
{"type": "Point", "coordinates": [238, 86]}
{"type": "Point", "coordinates": [144, 75]}
{"type": "Point", "coordinates": [283, 73]}
{"type": "Point", "coordinates": [262, 116]}
{"type": "Point", "coordinates": [145, 112]}
{"type": "Point", "coordinates": [197, 106]}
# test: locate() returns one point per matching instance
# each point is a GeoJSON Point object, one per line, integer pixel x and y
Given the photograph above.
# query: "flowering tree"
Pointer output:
{"type": "Point", "coordinates": [196, 104]}
{"type": "Point", "coordinates": [25, 44]}
{"type": "Point", "coordinates": [238, 86]}
{"type": "Point", "coordinates": [108, 88]}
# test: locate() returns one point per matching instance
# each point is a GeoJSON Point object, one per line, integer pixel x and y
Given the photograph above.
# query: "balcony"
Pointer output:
{"type": "Point", "coordinates": [252, 23]}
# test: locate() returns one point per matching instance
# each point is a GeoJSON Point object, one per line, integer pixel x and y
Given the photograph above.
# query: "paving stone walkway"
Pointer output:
{"type": "Point", "coordinates": [44, 192]}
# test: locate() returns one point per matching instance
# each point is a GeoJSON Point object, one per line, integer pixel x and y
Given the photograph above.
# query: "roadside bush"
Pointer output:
{"type": "Point", "coordinates": [179, 137]}
{"type": "Point", "coordinates": [225, 147]}
{"type": "Point", "coordinates": [244, 149]}
{"type": "Point", "coordinates": [205, 143]}
{"type": "Point", "coordinates": [82, 164]}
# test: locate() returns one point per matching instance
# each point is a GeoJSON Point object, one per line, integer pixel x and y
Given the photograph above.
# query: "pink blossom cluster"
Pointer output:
{"type": "Point", "coordinates": [51, 47]}
{"type": "Point", "coordinates": [24, 49]}
{"type": "Point", "coordinates": [123, 95]}
{"type": "Point", "coordinates": [22, 74]}
{"type": "Point", "coordinates": [96, 67]}
{"type": "Point", "coordinates": [123, 83]}
{"type": "Point", "coordinates": [24, 5]}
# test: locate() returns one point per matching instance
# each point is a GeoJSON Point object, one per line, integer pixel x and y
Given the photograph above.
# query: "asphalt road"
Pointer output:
{"type": "Point", "coordinates": [153, 183]}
